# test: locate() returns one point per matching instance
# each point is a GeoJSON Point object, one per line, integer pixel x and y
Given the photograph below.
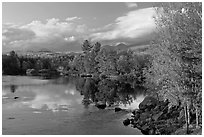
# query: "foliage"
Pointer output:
{"type": "Point", "coordinates": [107, 62]}
{"type": "Point", "coordinates": [11, 64]}
{"type": "Point", "coordinates": [126, 62]}
{"type": "Point", "coordinates": [86, 46]}
{"type": "Point", "coordinates": [175, 71]}
{"type": "Point", "coordinates": [78, 63]}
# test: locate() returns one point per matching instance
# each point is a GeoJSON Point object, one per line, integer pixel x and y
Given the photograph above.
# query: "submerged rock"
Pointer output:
{"type": "Point", "coordinates": [117, 109]}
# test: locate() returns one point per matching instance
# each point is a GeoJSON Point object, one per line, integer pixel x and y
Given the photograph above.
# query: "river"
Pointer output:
{"type": "Point", "coordinates": [65, 106]}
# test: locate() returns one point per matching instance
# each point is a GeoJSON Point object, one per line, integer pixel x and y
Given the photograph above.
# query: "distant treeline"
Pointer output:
{"type": "Point", "coordinates": [95, 60]}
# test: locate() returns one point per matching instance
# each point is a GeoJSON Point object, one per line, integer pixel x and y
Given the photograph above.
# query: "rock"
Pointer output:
{"type": "Point", "coordinates": [155, 117]}
{"type": "Point", "coordinates": [11, 118]}
{"type": "Point", "coordinates": [141, 123]}
{"type": "Point", "coordinates": [137, 116]}
{"type": "Point", "coordinates": [145, 132]}
{"type": "Point", "coordinates": [148, 102]}
{"type": "Point", "coordinates": [117, 109]}
{"type": "Point", "coordinates": [174, 114]}
{"type": "Point", "coordinates": [100, 105]}
{"type": "Point", "coordinates": [145, 129]}
{"type": "Point", "coordinates": [132, 121]}
{"type": "Point", "coordinates": [145, 116]}
{"type": "Point", "coordinates": [166, 102]}
{"type": "Point", "coordinates": [147, 109]}
{"type": "Point", "coordinates": [157, 132]}
{"type": "Point", "coordinates": [86, 75]}
{"type": "Point", "coordinates": [140, 111]}
{"type": "Point", "coordinates": [135, 111]}
{"type": "Point", "coordinates": [126, 122]}
{"type": "Point", "coordinates": [157, 108]}
{"type": "Point", "coordinates": [16, 97]}
{"type": "Point", "coordinates": [151, 132]}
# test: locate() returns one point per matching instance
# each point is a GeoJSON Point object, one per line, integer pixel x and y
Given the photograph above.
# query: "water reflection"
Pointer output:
{"type": "Point", "coordinates": [66, 105]}
{"type": "Point", "coordinates": [111, 92]}
{"type": "Point", "coordinates": [13, 88]}
{"type": "Point", "coordinates": [50, 97]}
{"type": "Point", "coordinates": [68, 93]}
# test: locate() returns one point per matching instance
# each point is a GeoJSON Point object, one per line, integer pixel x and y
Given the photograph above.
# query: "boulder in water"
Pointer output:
{"type": "Point", "coordinates": [101, 105]}
{"type": "Point", "coordinates": [126, 122]}
{"type": "Point", "coordinates": [117, 109]}
{"type": "Point", "coordinates": [16, 97]}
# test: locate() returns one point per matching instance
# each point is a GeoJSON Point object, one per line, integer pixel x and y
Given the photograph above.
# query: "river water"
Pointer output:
{"type": "Point", "coordinates": [65, 106]}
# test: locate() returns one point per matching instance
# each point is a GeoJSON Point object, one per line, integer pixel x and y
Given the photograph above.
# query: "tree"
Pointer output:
{"type": "Point", "coordinates": [26, 65]}
{"type": "Point", "coordinates": [39, 65]}
{"type": "Point", "coordinates": [86, 46]}
{"type": "Point", "coordinates": [90, 64]}
{"type": "Point", "coordinates": [96, 48]}
{"type": "Point", "coordinates": [11, 64]}
{"type": "Point", "coordinates": [78, 63]}
{"type": "Point", "coordinates": [125, 63]}
{"type": "Point", "coordinates": [46, 64]}
{"type": "Point", "coordinates": [107, 61]}
{"type": "Point", "coordinates": [177, 54]}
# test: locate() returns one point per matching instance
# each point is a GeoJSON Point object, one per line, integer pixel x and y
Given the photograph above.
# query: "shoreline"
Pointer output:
{"type": "Point", "coordinates": [156, 118]}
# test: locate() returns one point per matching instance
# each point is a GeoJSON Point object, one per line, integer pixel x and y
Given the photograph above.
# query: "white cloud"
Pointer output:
{"type": "Point", "coordinates": [52, 27]}
{"type": "Point", "coordinates": [72, 18]}
{"type": "Point", "coordinates": [52, 34]}
{"type": "Point", "coordinates": [72, 38]}
{"type": "Point", "coordinates": [13, 34]}
{"type": "Point", "coordinates": [133, 25]}
{"type": "Point", "coordinates": [131, 4]}
{"type": "Point", "coordinates": [62, 35]}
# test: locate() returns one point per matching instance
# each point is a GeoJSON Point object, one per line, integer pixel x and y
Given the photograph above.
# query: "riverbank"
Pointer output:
{"type": "Point", "coordinates": [156, 118]}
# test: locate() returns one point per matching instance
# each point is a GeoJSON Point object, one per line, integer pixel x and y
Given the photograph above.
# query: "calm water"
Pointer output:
{"type": "Point", "coordinates": [66, 106]}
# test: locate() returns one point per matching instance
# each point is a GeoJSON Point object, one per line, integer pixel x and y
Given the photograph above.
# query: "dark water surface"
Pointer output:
{"type": "Point", "coordinates": [66, 106]}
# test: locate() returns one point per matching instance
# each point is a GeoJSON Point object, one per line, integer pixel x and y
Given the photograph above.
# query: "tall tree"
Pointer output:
{"type": "Point", "coordinates": [107, 61]}
{"type": "Point", "coordinates": [11, 64]}
{"type": "Point", "coordinates": [86, 46]}
{"type": "Point", "coordinates": [177, 53]}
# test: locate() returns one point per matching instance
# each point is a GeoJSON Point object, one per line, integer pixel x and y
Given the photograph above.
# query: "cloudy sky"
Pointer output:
{"type": "Point", "coordinates": [64, 26]}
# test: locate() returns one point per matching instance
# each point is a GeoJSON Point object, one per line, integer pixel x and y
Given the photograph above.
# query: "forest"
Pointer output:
{"type": "Point", "coordinates": [171, 68]}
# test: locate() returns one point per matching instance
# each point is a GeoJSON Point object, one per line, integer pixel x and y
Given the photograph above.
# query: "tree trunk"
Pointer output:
{"type": "Point", "coordinates": [188, 112]}
{"type": "Point", "coordinates": [157, 96]}
{"type": "Point", "coordinates": [186, 119]}
{"type": "Point", "coordinates": [197, 118]}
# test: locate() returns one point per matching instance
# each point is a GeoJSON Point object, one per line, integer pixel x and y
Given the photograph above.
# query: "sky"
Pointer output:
{"type": "Point", "coordinates": [63, 26]}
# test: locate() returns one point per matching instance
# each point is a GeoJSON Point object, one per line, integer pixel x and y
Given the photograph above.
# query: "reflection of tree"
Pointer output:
{"type": "Point", "coordinates": [125, 93]}
{"type": "Point", "coordinates": [79, 82]}
{"type": "Point", "coordinates": [13, 88]}
{"type": "Point", "coordinates": [107, 90]}
{"type": "Point", "coordinates": [87, 87]}
{"type": "Point", "coordinates": [89, 91]}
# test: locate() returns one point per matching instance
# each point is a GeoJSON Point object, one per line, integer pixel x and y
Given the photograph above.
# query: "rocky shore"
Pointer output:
{"type": "Point", "coordinates": [156, 117]}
